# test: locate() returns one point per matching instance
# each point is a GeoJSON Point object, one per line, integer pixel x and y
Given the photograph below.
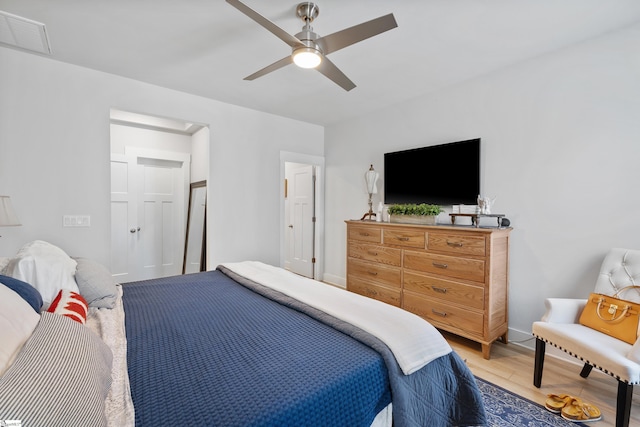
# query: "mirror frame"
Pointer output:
{"type": "Point", "coordinates": [203, 252]}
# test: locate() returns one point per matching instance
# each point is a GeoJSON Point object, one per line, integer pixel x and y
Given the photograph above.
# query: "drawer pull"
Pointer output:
{"type": "Point", "coordinates": [373, 273]}
{"type": "Point", "coordinates": [364, 234]}
{"type": "Point", "coordinates": [372, 253]}
{"type": "Point", "coordinates": [454, 244]}
{"type": "Point", "coordinates": [439, 290]}
{"type": "Point", "coordinates": [438, 265]}
{"type": "Point", "coordinates": [403, 239]}
{"type": "Point", "coordinates": [438, 313]}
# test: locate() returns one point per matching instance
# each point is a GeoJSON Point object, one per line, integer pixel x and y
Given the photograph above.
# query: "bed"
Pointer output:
{"type": "Point", "coordinates": [245, 344]}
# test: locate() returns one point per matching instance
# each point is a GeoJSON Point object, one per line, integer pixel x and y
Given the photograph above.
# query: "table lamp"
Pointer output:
{"type": "Point", "coordinates": [8, 216]}
{"type": "Point", "coordinates": [370, 178]}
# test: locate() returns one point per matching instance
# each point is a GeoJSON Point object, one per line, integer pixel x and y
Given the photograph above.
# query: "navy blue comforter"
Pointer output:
{"type": "Point", "coordinates": [205, 350]}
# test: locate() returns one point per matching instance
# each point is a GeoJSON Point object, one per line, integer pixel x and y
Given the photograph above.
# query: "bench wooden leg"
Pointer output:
{"type": "Point", "coordinates": [539, 362]}
{"type": "Point", "coordinates": [623, 405]}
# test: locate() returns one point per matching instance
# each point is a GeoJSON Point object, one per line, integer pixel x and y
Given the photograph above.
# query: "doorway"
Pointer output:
{"type": "Point", "coordinates": [148, 197]}
{"type": "Point", "coordinates": [153, 162]}
{"type": "Point", "coordinates": [302, 213]}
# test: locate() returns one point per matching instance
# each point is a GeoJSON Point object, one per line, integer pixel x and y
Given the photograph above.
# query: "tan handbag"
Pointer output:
{"type": "Point", "coordinates": [612, 316]}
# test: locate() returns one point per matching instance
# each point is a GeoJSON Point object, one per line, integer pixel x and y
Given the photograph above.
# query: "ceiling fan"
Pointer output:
{"type": "Point", "coordinates": [310, 50]}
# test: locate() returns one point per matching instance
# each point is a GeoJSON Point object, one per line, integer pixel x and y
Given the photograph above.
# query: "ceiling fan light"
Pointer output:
{"type": "Point", "coordinates": [307, 57]}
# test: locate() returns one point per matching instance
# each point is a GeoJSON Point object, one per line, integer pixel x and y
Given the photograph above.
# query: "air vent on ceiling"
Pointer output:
{"type": "Point", "coordinates": [23, 33]}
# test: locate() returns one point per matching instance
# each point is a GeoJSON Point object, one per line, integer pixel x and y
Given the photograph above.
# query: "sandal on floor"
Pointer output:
{"type": "Point", "coordinates": [578, 411]}
{"type": "Point", "coordinates": [555, 402]}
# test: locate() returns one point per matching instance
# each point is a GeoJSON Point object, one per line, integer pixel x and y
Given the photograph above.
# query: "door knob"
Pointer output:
{"type": "Point", "coordinates": [290, 225]}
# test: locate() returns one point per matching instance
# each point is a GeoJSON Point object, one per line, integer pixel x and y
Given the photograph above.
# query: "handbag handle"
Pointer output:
{"type": "Point", "coordinates": [613, 313]}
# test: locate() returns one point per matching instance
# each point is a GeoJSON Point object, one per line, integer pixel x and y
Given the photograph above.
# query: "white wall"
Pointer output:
{"type": "Point", "coordinates": [560, 151]}
{"type": "Point", "coordinates": [123, 136]}
{"type": "Point", "coordinates": [200, 155]}
{"type": "Point", "coordinates": [54, 157]}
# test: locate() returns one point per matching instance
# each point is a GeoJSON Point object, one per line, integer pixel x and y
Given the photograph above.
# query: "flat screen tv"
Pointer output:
{"type": "Point", "coordinates": [446, 174]}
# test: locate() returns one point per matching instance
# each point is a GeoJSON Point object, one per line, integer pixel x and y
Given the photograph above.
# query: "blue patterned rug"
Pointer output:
{"type": "Point", "coordinates": [505, 409]}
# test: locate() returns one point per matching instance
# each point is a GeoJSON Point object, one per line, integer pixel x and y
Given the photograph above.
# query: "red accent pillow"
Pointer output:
{"type": "Point", "coordinates": [70, 304]}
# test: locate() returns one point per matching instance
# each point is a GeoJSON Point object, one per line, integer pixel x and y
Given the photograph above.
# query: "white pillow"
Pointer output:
{"type": "Point", "coordinates": [17, 322]}
{"type": "Point", "coordinates": [96, 283]}
{"type": "Point", "coordinates": [46, 267]}
{"type": "Point", "coordinates": [4, 261]}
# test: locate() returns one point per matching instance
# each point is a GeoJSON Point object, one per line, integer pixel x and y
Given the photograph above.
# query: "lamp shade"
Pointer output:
{"type": "Point", "coordinates": [370, 177]}
{"type": "Point", "coordinates": [7, 214]}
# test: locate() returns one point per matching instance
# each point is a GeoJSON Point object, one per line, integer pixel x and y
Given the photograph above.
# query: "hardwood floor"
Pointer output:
{"type": "Point", "coordinates": [511, 367]}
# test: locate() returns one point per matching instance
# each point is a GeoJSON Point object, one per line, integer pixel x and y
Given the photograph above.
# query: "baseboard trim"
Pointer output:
{"type": "Point", "coordinates": [335, 280]}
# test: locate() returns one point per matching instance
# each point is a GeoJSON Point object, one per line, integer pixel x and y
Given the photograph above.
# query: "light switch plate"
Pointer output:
{"type": "Point", "coordinates": [76, 221]}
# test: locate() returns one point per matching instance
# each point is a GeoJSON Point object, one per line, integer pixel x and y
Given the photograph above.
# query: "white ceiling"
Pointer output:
{"type": "Point", "coordinates": [207, 47]}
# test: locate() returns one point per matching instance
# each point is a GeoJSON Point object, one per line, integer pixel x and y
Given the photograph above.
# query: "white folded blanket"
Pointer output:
{"type": "Point", "coordinates": [109, 325]}
{"type": "Point", "coordinates": [413, 341]}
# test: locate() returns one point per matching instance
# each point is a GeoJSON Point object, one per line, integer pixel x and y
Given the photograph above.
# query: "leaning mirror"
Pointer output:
{"type": "Point", "coordinates": [195, 247]}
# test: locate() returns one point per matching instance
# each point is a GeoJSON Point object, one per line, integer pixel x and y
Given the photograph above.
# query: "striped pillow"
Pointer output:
{"type": "Point", "coordinates": [70, 304]}
{"type": "Point", "coordinates": [61, 377]}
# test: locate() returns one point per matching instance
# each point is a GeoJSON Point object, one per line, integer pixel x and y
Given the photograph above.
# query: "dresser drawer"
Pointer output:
{"type": "Point", "coordinates": [381, 293]}
{"type": "Point", "coordinates": [457, 244]}
{"type": "Point", "coordinates": [444, 265]}
{"type": "Point", "coordinates": [389, 276]}
{"type": "Point", "coordinates": [381, 254]}
{"type": "Point", "coordinates": [405, 238]}
{"type": "Point", "coordinates": [365, 234]}
{"type": "Point", "coordinates": [445, 290]}
{"type": "Point", "coordinates": [444, 315]}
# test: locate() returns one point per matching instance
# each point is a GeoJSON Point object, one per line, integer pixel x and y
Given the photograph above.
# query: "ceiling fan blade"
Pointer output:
{"type": "Point", "coordinates": [328, 69]}
{"type": "Point", "coordinates": [269, 68]}
{"type": "Point", "coordinates": [351, 35]}
{"type": "Point", "coordinates": [277, 31]}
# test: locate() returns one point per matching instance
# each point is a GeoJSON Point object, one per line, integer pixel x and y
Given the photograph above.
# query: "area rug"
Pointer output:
{"type": "Point", "coordinates": [505, 409]}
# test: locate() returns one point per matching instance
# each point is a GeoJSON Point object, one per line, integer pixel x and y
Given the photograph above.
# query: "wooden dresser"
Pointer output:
{"type": "Point", "coordinates": [456, 277]}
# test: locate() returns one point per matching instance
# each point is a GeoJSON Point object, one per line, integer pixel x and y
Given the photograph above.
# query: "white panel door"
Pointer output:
{"type": "Point", "coordinates": [148, 205]}
{"type": "Point", "coordinates": [301, 228]}
{"type": "Point", "coordinates": [123, 216]}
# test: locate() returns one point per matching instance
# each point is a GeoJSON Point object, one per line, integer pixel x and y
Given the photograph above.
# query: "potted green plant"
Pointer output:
{"type": "Point", "coordinates": [412, 213]}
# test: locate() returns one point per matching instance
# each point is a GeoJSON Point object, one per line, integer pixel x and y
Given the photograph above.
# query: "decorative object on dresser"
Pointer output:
{"type": "Point", "coordinates": [370, 178]}
{"type": "Point", "coordinates": [475, 218]}
{"type": "Point", "coordinates": [411, 213]}
{"type": "Point", "coordinates": [484, 204]}
{"type": "Point", "coordinates": [455, 277]}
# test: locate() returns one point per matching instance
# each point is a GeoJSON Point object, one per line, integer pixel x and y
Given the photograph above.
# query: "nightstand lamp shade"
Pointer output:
{"type": "Point", "coordinates": [8, 216]}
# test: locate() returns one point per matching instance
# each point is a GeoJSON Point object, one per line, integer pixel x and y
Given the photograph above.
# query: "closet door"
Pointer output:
{"type": "Point", "coordinates": [299, 256]}
{"type": "Point", "coordinates": [148, 204]}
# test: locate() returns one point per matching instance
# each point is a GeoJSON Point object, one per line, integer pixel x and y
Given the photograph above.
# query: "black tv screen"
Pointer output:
{"type": "Point", "coordinates": [446, 174]}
